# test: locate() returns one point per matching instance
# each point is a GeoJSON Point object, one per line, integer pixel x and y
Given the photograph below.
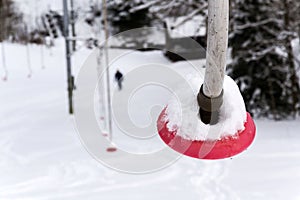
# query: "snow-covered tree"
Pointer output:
{"type": "Point", "coordinates": [294, 13]}
{"type": "Point", "coordinates": [291, 24]}
{"type": "Point", "coordinates": [10, 21]}
{"type": "Point", "coordinates": [174, 8]}
{"type": "Point", "coordinates": [263, 65]}
{"type": "Point", "coordinates": [123, 16]}
{"type": "Point", "coordinates": [93, 14]}
{"type": "Point", "coordinates": [126, 15]}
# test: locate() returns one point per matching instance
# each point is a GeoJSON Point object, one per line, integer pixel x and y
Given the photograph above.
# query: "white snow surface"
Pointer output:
{"type": "Point", "coordinates": [183, 113]}
{"type": "Point", "coordinates": [41, 157]}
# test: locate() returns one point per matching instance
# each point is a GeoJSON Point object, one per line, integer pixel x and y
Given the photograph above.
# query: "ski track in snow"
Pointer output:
{"type": "Point", "coordinates": [41, 157]}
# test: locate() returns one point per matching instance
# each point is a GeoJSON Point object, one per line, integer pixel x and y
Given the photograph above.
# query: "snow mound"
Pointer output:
{"type": "Point", "coordinates": [182, 113]}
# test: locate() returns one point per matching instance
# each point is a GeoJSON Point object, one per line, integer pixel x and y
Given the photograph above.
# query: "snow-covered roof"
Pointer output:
{"type": "Point", "coordinates": [182, 27]}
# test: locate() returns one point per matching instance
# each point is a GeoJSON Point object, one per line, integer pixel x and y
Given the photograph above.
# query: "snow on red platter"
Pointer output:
{"type": "Point", "coordinates": [180, 127]}
{"type": "Point", "coordinates": [223, 148]}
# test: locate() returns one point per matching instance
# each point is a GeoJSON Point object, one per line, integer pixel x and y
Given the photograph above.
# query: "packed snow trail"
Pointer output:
{"type": "Point", "coordinates": [41, 156]}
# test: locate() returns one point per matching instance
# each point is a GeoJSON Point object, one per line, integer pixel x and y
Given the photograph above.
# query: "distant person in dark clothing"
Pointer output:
{"type": "Point", "coordinates": [119, 78]}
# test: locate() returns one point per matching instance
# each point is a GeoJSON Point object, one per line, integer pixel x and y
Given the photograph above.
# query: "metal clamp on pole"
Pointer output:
{"type": "Point", "coordinates": [209, 107]}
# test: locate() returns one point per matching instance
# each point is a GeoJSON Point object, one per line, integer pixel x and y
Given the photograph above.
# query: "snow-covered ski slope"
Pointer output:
{"type": "Point", "coordinates": [41, 157]}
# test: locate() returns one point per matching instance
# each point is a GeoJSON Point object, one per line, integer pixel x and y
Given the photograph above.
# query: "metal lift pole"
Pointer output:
{"type": "Point", "coordinates": [68, 56]}
{"type": "Point", "coordinates": [73, 25]}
